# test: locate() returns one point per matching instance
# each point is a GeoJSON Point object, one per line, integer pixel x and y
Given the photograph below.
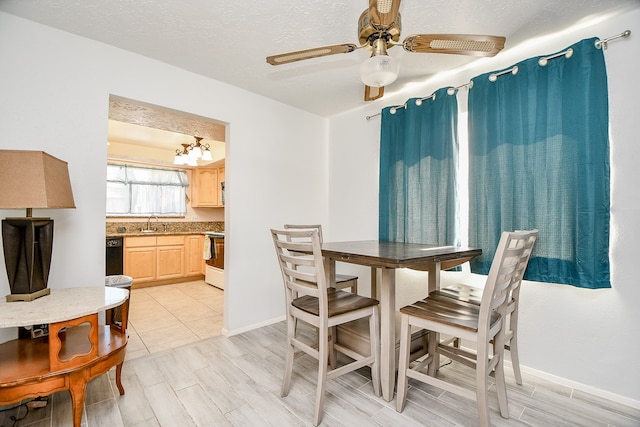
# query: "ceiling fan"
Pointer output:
{"type": "Point", "coordinates": [378, 30]}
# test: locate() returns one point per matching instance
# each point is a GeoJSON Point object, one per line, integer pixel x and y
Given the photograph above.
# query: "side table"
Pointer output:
{"type": "Point", "coordinates": [76, 350]}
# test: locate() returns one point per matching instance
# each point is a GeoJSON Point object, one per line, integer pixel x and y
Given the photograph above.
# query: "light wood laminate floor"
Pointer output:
{"type": "Point", "coordinates": [235, 381]}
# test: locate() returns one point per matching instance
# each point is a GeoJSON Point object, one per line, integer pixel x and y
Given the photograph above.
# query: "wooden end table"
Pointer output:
{"type": "Point", "coordinates": [76, 350]}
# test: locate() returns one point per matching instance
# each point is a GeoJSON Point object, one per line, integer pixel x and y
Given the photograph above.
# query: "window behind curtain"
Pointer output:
{"type": "Point", "coordinates": [142, 191]}
{"type": "Point", "coordinates": [540, 159]}
{"type": "Point", "coordinates": [418, 163]}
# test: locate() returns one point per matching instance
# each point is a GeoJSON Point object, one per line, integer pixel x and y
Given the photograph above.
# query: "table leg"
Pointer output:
{"type": "Point", "coordinates": [388, 332]}
{"type": "Point", "coordinates": [434, 276]}
{"type": "Point", "coordinates": [330, 274]}
{"type": "Point", "coordinates": [330, 271]}
{"type": "Point", "coordinates": [77, 389]}
{"type": "Point", "coordinates": [374, 283]}
{"type": "Point", "coordinates": [434, 285]}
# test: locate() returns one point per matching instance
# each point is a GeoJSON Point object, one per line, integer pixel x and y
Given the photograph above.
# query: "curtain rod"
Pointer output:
{"type": "Point", "coordinates": [494, 76]}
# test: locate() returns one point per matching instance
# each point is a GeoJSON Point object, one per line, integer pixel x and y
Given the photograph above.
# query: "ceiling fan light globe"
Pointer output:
{"type": "Point", "coordinates": [379, 71]}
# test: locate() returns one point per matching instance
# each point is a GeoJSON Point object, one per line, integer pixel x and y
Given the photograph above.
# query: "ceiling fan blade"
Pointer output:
{"type": "Point", "coordinates": [459, 44]}
{"type": "Point", "coordinates": [383, 13]}
{"type": "Point", "coordinates": [373, 93]}
{"type": "Point", "coordinates": [300, 55]}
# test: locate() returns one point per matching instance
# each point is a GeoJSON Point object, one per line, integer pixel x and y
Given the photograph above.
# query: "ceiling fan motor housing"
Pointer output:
{"type": "Point", "coordinates": [368, 33]}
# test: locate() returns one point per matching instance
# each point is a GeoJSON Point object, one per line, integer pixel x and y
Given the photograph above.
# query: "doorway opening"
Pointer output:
{"type": "Point", "coordinates": [171, 304]}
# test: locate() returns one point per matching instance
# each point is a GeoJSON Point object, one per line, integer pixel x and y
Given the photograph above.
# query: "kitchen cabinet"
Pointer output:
{"type": "Point", "coordinates": [220, 192]}
{"type": "Point", "coordinates": [193, 255]}
{"type": "Point", "coordinates": [207, 187]}
{"type": "Point", "coordinates": [170, 257]}
{"type": "Point", "coordinates": [163, 259]}
{"type": "Point", "coordinates": [140, 258]}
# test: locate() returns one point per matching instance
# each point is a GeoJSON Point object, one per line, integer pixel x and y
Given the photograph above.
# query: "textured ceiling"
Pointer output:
{"type": "Point", "coordinates": [229, 40]}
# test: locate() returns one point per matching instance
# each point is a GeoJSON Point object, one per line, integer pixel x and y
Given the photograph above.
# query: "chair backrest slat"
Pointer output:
{"type": "Point", "coordinates": [299, 254]}
{"type": "Point", "coordinates": [507, 270]}
{"type": "Point", "coordinates": [305, 226]}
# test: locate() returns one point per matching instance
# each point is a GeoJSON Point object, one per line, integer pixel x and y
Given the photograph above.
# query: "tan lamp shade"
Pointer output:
{"type": "Point", "coordinates": [33, 179]}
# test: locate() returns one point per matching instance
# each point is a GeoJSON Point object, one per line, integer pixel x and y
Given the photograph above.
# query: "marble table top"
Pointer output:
{"type": "Point", "coordinates": [61, 304]}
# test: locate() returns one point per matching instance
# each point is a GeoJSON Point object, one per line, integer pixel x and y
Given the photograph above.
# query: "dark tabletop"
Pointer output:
{"type": "Point", "coordinates": [394, 254]}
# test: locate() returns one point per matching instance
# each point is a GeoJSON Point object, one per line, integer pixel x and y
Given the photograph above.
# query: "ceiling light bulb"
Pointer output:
{"type": "Point", "coordinates": [206, 156]}
{"type": "Point", "coordinates": [177, 160]}
{"type": "Point", "coordinates": [196, 152]}
{"type": "Point", "coordinates": [379, 71]}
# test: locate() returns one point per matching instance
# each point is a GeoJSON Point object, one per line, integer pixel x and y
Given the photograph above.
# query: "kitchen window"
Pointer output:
{"type": "Point", "coordinates": [142, 191]}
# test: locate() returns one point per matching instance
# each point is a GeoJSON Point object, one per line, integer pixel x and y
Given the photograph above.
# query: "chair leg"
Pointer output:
{"type": "Point", "coordinates": [403, 363]}
{"type": "Point", "coordinates": [432, 345]}
{"type": "Point", "coordinates": [374, 338]}
{"type": "Point", "coordinates": [513, 349]}
{"type": "Point", "coordinates": [501, 388]}
{"type": "Point", "coordinates": [333, 353]}
{"type": "Point", "coordinates": [482, 383]}
{"type": "Point", "coordinates": [288, 363]}
{"type": "Point", "coordinates": [323, 361]}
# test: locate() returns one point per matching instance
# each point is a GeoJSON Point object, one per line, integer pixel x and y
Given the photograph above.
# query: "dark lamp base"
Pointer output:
{"type": "Point", "coordinates": [27, 244]}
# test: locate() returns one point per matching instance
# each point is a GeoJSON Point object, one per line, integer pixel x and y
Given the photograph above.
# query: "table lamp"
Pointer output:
{"type": "Point", "coordinates": [28, 180]}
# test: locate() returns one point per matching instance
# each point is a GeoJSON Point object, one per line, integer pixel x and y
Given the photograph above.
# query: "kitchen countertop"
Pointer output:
{"type": "Point", "coordinates": [174, 228]}
{"type": "Point", "coordinates": [156, 233]}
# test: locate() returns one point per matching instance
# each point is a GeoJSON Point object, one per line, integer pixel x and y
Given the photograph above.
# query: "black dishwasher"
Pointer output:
{"type": "Point", "coordinates": [114, 256]}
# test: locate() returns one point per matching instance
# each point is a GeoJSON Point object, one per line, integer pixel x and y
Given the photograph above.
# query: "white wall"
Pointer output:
{"type": "Point", "coordinates": [55, 90]}
{"type": "Point", "coordinates": [587, 338]}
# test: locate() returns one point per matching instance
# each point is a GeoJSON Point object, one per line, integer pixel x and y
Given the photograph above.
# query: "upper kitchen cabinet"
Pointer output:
{"type": "Point", "coordinates": [208, 188]}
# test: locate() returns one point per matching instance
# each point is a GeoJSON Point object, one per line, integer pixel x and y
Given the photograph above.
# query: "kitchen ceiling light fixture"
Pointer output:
{"type": "Point", "coordinates": [190, 153]}
{"type": "Point", "coordinates": [28, 180]}
{"type": "Point", "coordinates": [380, 69]}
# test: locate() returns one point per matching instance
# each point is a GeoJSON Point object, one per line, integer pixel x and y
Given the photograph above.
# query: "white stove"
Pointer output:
{"type": "Point", "coordinates": [214, 258]}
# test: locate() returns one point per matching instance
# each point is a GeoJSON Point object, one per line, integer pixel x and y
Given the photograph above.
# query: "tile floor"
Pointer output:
{"type": "Point", "coordinates": [163, 317]}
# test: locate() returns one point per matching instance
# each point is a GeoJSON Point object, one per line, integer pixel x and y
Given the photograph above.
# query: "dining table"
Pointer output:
{"type": "Point", "coordinates": [384, 258]}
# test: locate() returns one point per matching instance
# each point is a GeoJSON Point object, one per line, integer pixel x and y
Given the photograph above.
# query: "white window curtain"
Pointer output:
{"type": "Point", "coordinates": [140, 191]}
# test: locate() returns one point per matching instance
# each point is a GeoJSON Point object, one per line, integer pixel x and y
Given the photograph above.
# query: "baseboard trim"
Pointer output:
{"type": "Point", "coordinates": [229, 333]}
{"type": "Point", "coordinates": [604, 394]}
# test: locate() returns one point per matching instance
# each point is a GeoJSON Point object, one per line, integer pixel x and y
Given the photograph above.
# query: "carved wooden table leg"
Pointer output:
{"type": "Point", "coordinates": [77, 389]}
{"type": "Point", "coordinates": [119, 378]}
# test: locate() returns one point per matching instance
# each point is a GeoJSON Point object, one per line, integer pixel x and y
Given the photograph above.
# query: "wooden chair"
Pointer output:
{"type": "Point", "coordinates": [473, 295]}
{"type": "Point", "coordinates": [343, 281]}
{"type": "Point", "coordinates": [481, 324]}
{"type": "Point", "coordinates": [300, 258]}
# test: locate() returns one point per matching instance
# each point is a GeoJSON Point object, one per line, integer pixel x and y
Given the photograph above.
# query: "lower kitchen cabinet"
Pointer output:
{"type": "Point", "coordinates": [170, 257]}
{"type": "Point", "coordinates": [140, 263]}
{"type": "Point", "coordinates": [149, 259]}
{"type": "Point", "coordinates": [193, 254]}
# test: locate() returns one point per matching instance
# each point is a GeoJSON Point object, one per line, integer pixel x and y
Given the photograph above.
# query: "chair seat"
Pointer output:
{"type": "Point", "coordinates": [448, 311]}
{"type": "Point", "coordinates": [339, 302]}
